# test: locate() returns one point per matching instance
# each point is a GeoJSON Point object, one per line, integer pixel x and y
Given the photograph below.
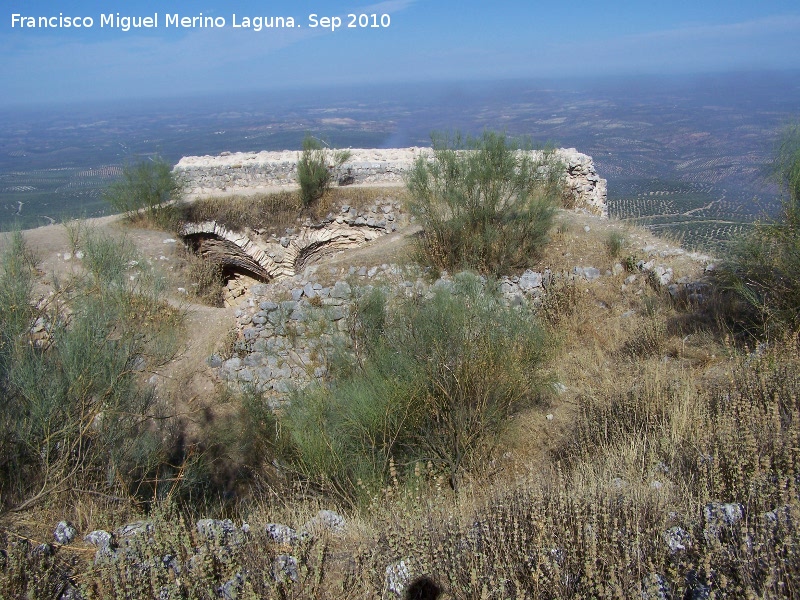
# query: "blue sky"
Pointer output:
{"type": "Point", "coordinates": [426, 40]}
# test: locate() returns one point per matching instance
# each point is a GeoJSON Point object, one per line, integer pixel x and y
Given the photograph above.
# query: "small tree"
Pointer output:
{"type": "Point", "coordinates": [484, 203]}
{"type": "Point", "coordinates": [763, 268]}
{"type": "Point", "coordinates": [147, 187]}
{"type": "Point", "coordinates": [315, 169]}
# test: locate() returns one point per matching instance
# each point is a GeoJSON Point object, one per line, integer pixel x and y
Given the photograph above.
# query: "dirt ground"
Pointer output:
{"type": "Point", "coordinates": [206, 326]}
{"type": "Point", "coordinates": [577, 240]}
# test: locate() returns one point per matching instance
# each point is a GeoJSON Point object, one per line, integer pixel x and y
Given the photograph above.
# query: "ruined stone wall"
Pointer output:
{"type": "Point", "coordinates": [250, 172]}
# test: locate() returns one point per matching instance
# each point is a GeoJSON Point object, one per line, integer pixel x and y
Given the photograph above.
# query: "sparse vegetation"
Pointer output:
{"type": "Point", "coordinates": [315, 169]}
{"type": "Point", "coordinates": [484, 203]}
{"type": "Point", "coordinates": [665, 465]}
{"type": "Point", "coordinates": [147, 191]}
{"type": "Point", "coordinates": [763, 269]}
{"type": "Point", "coordinates": [435, 383]}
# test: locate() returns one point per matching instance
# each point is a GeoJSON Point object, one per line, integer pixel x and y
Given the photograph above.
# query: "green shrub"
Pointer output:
{"type": "Point", "coordinates": [615, 242]}
{"type": "Point", "coordinates": [17, 314]}
{"type": "Point", "coordinates": [16, 289]}
{"type": "Point", "coordinates": [147, 190]}
{"type": "Point", "coordinates": [763, 268]}
{"type": "Point", "coordinates": [437, 383]}
{"type": "Point", "coordinates": [75, 414]}
{"type": "Point", "coordinates": [484, 203]}
{"type": "Point", "coordinates": [315, 169]}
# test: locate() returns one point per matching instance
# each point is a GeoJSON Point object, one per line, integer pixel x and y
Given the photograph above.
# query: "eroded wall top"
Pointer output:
{"type": "Point", "coordinates": [237, 172]}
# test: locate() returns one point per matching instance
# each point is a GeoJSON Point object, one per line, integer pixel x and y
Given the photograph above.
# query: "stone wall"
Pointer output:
{"type": "Point", "coordinates": [268, 257]}
{"type": "Point", "coordinates": [288, 328]}
{"type": "Point", "coordinates": [250, 172]}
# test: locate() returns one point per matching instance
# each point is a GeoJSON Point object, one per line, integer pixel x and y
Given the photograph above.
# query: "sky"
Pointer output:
{"type": "Point", "coordinates": [415, 41]}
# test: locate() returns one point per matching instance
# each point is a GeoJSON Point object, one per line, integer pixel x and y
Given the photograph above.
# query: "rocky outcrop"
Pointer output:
{"type": "Point", "coordinates": [588, 189]}
{"type": "Point", "coordinates": [250, 172]}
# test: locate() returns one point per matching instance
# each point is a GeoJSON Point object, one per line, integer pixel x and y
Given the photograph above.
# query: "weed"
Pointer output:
{"type": "Point", "coordinates": [227, 347]}
{"type": "Point", "coordinates": [648, 339]}
{"type": "Point", "coordinates": [75, 229]}
{"type": "Point", "coordinates": [615, 242]}
{"type": "Point", "coordinates": [631, 263]}
{"type": "Point", "coordinates": [561, 299]}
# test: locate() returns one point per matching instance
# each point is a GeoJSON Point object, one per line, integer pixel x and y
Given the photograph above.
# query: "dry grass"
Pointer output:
{"type": "Point", "coordinates": [201, 278]}
{"type": "Point", "coordinates": [273, 213]}
{"type": "Point", "coordinates": [270, 212]}
{"type": "Point", "coordinates": [659, 418]}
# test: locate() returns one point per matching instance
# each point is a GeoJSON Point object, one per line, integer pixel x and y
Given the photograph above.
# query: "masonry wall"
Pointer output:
{"type": "Point", "coordinates": [242, 172]}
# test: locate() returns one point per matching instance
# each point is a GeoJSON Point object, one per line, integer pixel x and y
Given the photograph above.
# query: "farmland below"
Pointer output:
{"type": "Point", "coordinates": [686, 157]}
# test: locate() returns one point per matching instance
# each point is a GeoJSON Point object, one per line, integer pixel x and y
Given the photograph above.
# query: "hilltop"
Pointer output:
{"type": "Point", "coordinates": [630, 472]}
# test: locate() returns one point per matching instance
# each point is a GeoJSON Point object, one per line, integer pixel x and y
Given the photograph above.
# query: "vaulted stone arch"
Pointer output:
{"type": "Point", "coordinates": [248, 254]}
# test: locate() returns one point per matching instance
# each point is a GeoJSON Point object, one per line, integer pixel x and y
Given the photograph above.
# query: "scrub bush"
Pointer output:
{"type": "Point", "coordinates": [763, 268]}
{"type": "Point", "coordinates": [485, 204]}
{"type": "Point", "coordinates": [436, 382]}
{"type": "Point", "coordinates": [315, 169]}
{"type": "Point", "coordinates": [76, 414]}
{"type": "Point", "coordinates": [148, 190]}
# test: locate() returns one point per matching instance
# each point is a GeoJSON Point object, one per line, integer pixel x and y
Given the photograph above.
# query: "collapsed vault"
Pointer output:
{"type": "Point", "coordinates": [247, 253]}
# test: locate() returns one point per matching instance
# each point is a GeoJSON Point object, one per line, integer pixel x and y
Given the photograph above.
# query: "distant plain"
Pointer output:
{"type": "Point", "coordinates": [688, 157]}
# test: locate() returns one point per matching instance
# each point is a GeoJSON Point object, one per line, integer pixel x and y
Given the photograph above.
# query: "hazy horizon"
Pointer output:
{"type": "Point", "coordinates": [687, 153]}
{"type": "Point", "coordinates": [412, 41]}
{"type": "Point", "coordinates": [316, 93]}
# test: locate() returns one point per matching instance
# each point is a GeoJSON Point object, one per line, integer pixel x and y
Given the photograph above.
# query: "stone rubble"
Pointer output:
{"type": "Point", "coordinates": [397, 577]}
{"type": "Point", "coordinates": [128, 544]}
{"type": "Point", "coordinates": [64, 532]}
{"type": "Point", "coordinates": [287, 328]}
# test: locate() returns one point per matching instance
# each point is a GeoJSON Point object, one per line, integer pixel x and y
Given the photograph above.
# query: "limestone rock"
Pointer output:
{"type": "Point", "coordinates": [64, 532]}
{"type": "Point", "coordinates": [281, 534]}
{"type": "Point", "coordinates": [325, 520]}
{"type": "Point", "coordinates": [398, 576]}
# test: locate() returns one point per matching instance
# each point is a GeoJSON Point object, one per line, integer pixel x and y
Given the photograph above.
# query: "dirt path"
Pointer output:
{"type": "Point", "coordinates": [206, 328]}
{"type": "Point", "coordinates": [606, 315]}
